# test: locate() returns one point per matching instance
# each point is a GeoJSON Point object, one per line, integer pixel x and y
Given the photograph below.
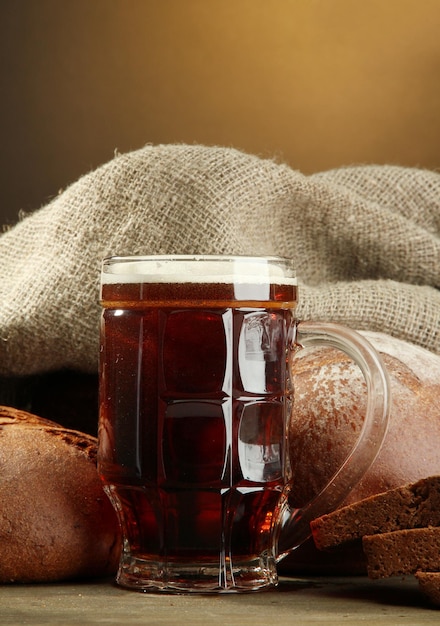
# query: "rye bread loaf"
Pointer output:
{"type": "Point", "coordinates": [330, 396]}
{"type": "Point", "coordinates": [56, 522]}
{"type": "Point", "coordinates": [414, 505]}
{"type": "Point", "coordinates": [429, 583]}
{"type": "Point", "coordinates": [327, 419]}
{"type": "Point", "coordinates": [402, 552]}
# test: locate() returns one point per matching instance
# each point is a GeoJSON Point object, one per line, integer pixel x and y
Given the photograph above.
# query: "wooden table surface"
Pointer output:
{"type": "Point", "coordinates": [338, 601]}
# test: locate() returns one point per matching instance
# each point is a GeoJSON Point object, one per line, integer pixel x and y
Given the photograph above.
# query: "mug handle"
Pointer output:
{"type": "Point", "coordinates": [295, 523]}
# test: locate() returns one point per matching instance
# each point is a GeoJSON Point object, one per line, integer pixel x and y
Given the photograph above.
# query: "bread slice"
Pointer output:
{"type": "Point", "coordinates": [402, 552]}
{"type": "Point", "coordinates": [414, 505]}
{"type": "Point", "coordinates": [429, 583]}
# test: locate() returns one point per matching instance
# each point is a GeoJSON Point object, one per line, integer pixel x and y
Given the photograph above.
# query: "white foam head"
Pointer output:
{"type": "Point", "coordinates": [198, 269]}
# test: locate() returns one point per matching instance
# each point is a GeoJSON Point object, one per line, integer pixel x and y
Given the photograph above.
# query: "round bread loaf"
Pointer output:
{"type": "Point", "coordinates": [56, 522]}
{"type": "Point", "coordinates": [330, 400]}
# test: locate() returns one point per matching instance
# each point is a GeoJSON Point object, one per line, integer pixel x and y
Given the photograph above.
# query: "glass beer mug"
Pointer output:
{"type": "Point", "coordinates": [195, 400]}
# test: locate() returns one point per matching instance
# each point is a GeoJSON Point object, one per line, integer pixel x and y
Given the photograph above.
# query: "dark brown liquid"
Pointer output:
{"type": "Point", "coordinates": [194, 389]}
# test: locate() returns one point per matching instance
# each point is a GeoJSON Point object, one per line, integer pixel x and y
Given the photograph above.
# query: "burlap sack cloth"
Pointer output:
{"type": "Point", "coordinates": [365, 241]}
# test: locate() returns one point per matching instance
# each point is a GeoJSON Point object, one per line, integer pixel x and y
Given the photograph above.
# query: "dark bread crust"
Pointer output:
{"type": "Point", "coordinates": [10, 415]}
{"type": "Point", "coordinates": [56, 522]}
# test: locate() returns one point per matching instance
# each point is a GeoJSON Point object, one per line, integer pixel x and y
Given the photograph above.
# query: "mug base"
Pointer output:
{"type": "Point", "coordinates": [142, 574]}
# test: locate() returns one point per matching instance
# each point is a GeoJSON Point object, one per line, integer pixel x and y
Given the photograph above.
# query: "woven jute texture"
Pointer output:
{"type": "Point", "coordinates": [365, 240]}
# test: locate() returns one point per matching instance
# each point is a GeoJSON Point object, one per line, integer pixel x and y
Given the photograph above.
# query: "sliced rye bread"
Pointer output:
{"type": "Point", "coordinates": [402, 552]}
{"type": "Point", "coordinates": [415, 505]}
{"type": "Point", "coordinates": [429, 583]}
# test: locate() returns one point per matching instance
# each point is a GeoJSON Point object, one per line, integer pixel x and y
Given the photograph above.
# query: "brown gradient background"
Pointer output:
{"type": "Point", "coordinates": [318, 83]}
